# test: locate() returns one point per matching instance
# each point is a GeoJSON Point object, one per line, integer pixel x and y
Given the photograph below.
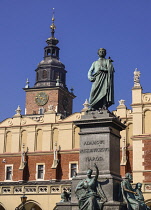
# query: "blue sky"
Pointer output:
{"type": "Point", "coordinates": [83, 26]}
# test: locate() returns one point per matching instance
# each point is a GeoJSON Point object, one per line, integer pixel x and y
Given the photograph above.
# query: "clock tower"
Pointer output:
{"type": "Point", "coordinates": [50, 88]}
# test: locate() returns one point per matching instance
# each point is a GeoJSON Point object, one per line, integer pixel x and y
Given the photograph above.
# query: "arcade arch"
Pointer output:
{"type": "Point", "coordinates": [31, 205]}
{"type": "Point", "coordinates": [148, 203]}
{"type": "Point", "coordinates": [1, 206]}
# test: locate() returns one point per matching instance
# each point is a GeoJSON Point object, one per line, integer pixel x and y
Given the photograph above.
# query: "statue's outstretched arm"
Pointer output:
{"type": "Point", "coordinates": [127, 190]}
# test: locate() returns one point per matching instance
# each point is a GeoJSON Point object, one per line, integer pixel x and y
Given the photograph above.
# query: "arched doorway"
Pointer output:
{"type": "Point", "coordinates": [30, 205]}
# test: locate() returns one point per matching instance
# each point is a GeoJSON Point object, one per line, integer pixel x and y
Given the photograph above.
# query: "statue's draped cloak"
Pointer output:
{"type": "Point", "coordinates": [91, 198]}
{"type": "Point", "coordinates": [101, 74]}
{"type": "Point", "coordinates": [129, 197]}
{"type": "Point", "coordinates": [139, 197]}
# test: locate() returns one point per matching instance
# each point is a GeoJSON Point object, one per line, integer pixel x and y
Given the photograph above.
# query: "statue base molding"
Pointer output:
{"type": "Point", "coordinates": [107, 206]}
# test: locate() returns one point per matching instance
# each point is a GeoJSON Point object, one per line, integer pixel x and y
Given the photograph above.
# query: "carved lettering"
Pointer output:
{"type": "Point", "coordinates": [88, 159]}
{"type": "Point", "coordinates": [94, 142]}
{"type": "Point", "coordinates": [94, 150]}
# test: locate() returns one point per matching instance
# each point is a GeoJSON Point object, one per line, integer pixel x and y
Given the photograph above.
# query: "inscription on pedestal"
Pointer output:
{"type": "Point", "coordinates": [94, 142]}
{"type": "Point", "coordinates": [93, 151]}
{"type": "Point", "coordinates": [94, 159]}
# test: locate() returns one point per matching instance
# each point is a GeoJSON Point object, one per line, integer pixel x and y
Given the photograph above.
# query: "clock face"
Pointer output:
{"type": "Point", "coordinates": [41, 98]}
{"type": "Point", "coordinates": [65, 102]}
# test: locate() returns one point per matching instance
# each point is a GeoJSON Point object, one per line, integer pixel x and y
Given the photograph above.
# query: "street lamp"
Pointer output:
{"type": "Point", "coordinates": [23, 200]}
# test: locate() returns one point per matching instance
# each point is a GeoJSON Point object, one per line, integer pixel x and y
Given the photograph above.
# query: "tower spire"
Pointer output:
{"type": "Point", "coordinates": [52, 40]}
{"type": "Point", "coordinates": [50, 68]}
{"type": "Point", "coordinates": [52, 26]}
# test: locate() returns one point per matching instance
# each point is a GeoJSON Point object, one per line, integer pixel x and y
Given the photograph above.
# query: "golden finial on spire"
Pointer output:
{"type": "Point", "coordinates": [53, 27]}
{"type": "Point", "coordinates": [52, 39]}
{"type": "Point", "coordinates": [53, 14]}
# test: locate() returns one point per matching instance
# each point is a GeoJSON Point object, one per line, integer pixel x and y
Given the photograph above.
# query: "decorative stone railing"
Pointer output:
{"type": "Point", "coordinates": [6, 190]}
{"type": "Point", "coordinates": [34, 189]}
{"type": "Point", "coordinates": [17, 190]}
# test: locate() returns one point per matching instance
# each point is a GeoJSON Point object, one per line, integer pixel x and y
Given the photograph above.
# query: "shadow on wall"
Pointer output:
{"type": "Point", "coordinates": [59, 169]}
{"type": "Point", "coordinates": [129, 163]}
{"type": "Point", "coordinates": [26, 174]}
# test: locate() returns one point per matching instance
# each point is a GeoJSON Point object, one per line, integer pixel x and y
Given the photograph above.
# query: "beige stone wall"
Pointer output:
{"type": "Point", "coordinates": [39, 140]}
{"type": "Point", "coordinates": [2, 140]}
{"type": "Point", "coordinates": [129, 134]}
{"type": "Point", "coordinates": [38, 134]}
{"type": "Point", "coordinates": [8, 142]}
{"type": "Point", "coordinates": [76, 137]}
{"type": "Point", "coordinates": [23, 139]}
{"type": "Point", "coordinates": [147, 121]}
{"type": "Point", "coordinates": [65, 136]}
{"type": "Point", "coordinates": [45, 202]}
{"type": "Point", "coordinates": [47, 138]}
{"type": "Point", "coordinates": [126, 118]}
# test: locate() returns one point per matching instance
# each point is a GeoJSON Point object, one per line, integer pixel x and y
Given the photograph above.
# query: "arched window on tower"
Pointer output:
{"type": "Point", "coordinates": [37, 76]}
{"type": "Point", "coordinates": [45, 52]}
{"type": "Point", "coordinates": [44, 74]}
{"type": "Point", "coordinates": [53, 52]}
{"type": "Point", "coordinates": [56, 75]}
{"type": "Point", "coordinates": [57, 54]}
{"type": "Point", "coordinates": [48, 52]}
{"type": "Point", "coordinates": [63, 78]}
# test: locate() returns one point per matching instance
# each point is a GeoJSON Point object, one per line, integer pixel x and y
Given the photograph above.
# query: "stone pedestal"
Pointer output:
{"type": "Point", "coordinates": [100, 144]}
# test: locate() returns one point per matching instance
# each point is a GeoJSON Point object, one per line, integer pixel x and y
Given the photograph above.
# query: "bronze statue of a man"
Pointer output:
{"type": "Point", "coordinates": [101, 74]}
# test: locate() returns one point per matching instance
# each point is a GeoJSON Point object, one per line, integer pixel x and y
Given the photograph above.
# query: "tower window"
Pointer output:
{"type": "Point", "coordinates": [53, 52]}
{"type": "Point", "coordinates": [37, 76]}
{"type": "Point", "coordinates": [44, 74]}
{"type": "Point", "coordinates": [56, 75]}
{"type": "Point", "coordinates": [48, 52]}
{"type": "Point", "coordinates": [41, 111]}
